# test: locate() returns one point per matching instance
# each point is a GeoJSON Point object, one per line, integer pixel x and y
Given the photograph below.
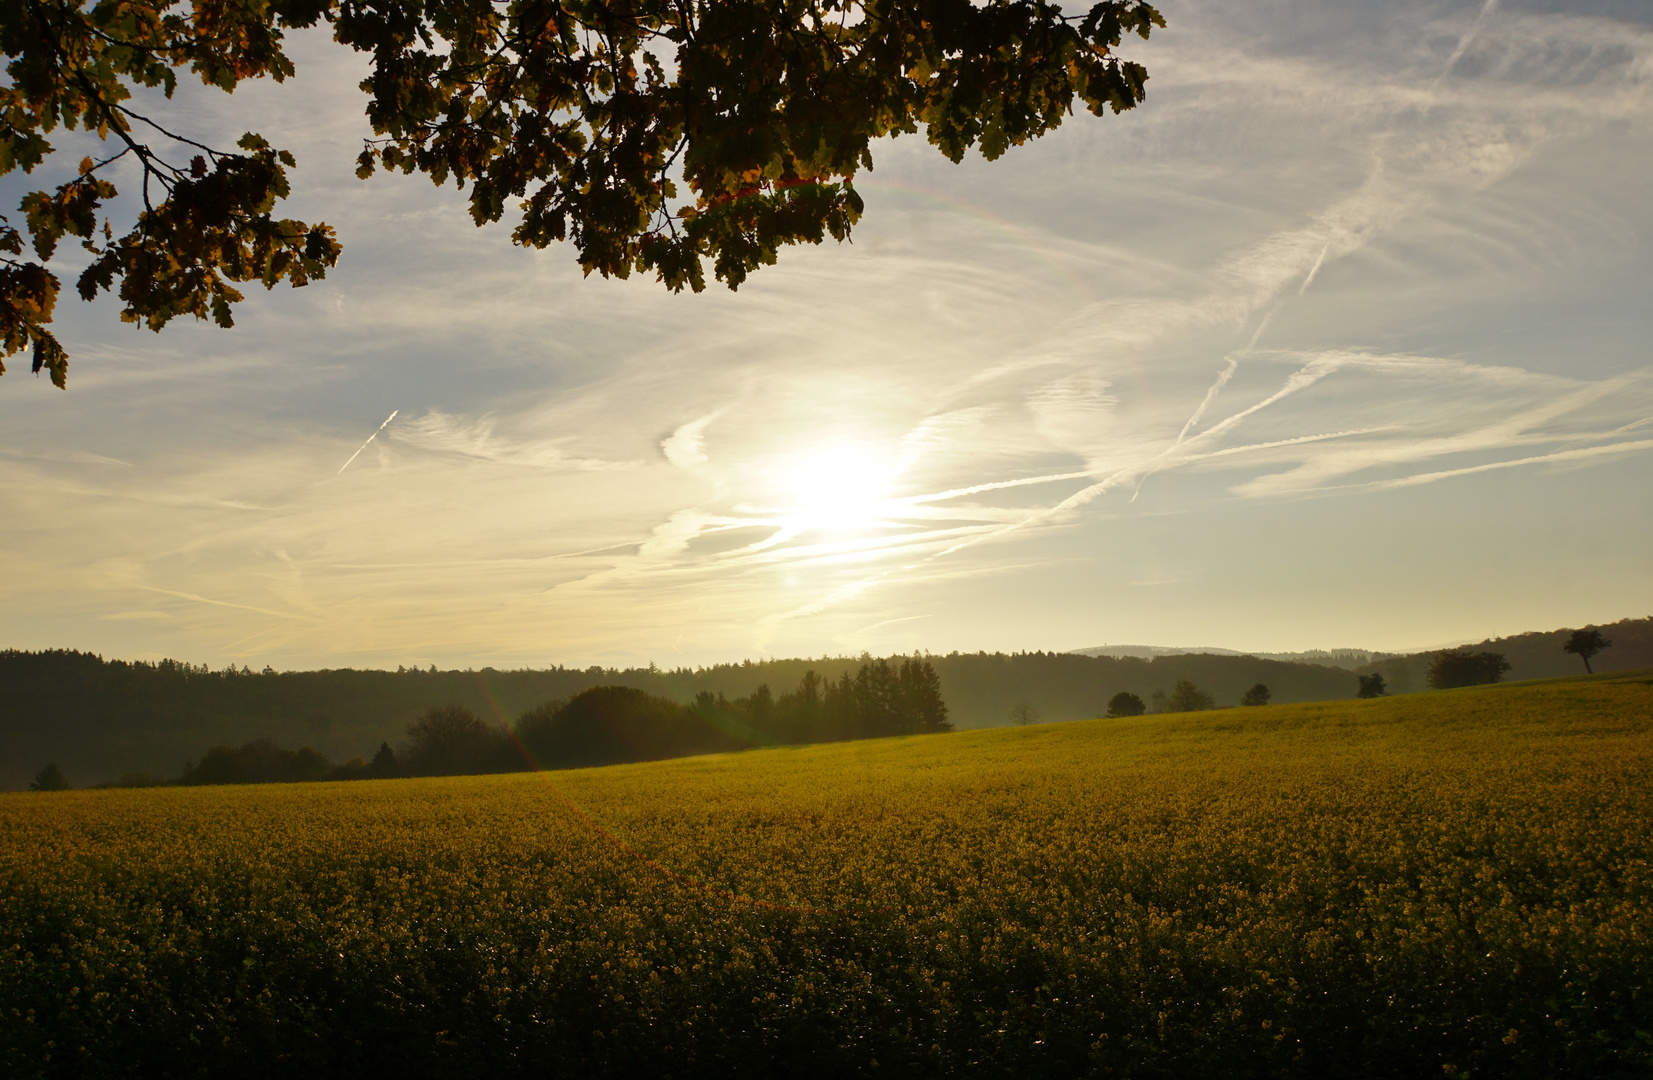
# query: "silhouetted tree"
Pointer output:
{"type": "Point", "coordinates": [881, 698]}
{"type": "Point", "coordinates": [1186, 697]}
{"type": "Point", "coordinates": [260, 761]}
{"type": "Point", "coordinates": [1126, 703]}
{"type": "Point", "coordinates": [1371, 686]}
{"type": "Point", "coordinates": [384, 761]}
{"type": "Point", "coordinates": [1460, 667]}
{"type": "Point", "coordinates": [1257, 695]}
{"type": "Point", "coordinates": [760, 707]}
{"type": "Point", "coordinates": [354, 769]}
{"type": "Point", "coordinates": [800, 717]}
{"type": "Point", "coordinates": [747, 139]}
{"type": "Point", "coordinates": [918, 704]}
{"type": "Point", "coordinates": [1585, 644]}
{"type": "Point", "coordinates": [874, 699]}
{"type": "Point", "coordinates": [50, 778]}
{"type": "Point", "coordinates": [749, 720]}
{"type": "Point", "coordinates": [451, 741]}
{"type": "Point", "coordinates": [1023, 714]}
{"type": "Point", "coordinates": [608, 725]}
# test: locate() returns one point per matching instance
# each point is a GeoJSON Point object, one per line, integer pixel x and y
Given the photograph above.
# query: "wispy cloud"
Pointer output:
{"type": "Point", "coordinates": [1393, 255]}
{"type": "Point", "coordinates": [685, 447]}
{"type": "Point", "coordinates": [441, 433]}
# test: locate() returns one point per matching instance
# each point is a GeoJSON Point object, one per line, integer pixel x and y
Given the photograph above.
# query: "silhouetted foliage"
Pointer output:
{"type": "Point", "coordinates": [658, 136]}
{"type": "Point", "coordinates": [354, 769]}
{"type": "Point", "coordinates": [1585, 644]}
{"type": "Point", "coordinates": [451, 741]}
{"type": "Point", "coordinates": [609, 725]}
{"type": "Point", "coordinates": [1023, 714]}
{"type": "Point", "coordinates": [886, 699]}
{"type": "Point", "coordinates": [384, 762]}
{"type": "Point", "coordinates": [1126, 703]}
{"type": "Point", "coordinates": [101, 718]}
{"type": "Point", "coordinates": [881, 698]}
{"type": "Point", "coordinates": [1371, 686]}
{"type": "Point", "coordinates": [1536, 655]}
{"type": "Point", "coordinates": [923, 712]}
{"type": "Point", "coordinates": [1184, 697]}
{"type": "Point", "coordinates": [258, 762]}
{"type": "Point", "coordinates": [1257, 695]}
{"type": "Point", "coordinates": [1460, 667]}
{"type": "Point", "coordinates": [50, 778]}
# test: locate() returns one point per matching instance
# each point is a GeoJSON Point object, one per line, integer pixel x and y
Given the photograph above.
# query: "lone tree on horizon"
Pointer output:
{"type": "Point", "coordinates": [1023, 714]}
{"type": "Point", "coordinates": [450, 740]}
{"type": "Point", "coordinates": [1371, 686]}
{"type": "Point", "coordinates": [1257, 695]}
{"type": "Point", "coordinates": [661, 137]}
{"type": "Point", "coordinates": [1460, 667]}
{"type": "Point", "coordinates": [50, 778]}
{"type": "Point", "coordinates": [1186, 697]}
{"type": "Point", "coordinates": [384, 762]}
{"type": "Point", "coordinates": [1125, 703]}
{"type": "Point", "coordinates": [1585, 644]}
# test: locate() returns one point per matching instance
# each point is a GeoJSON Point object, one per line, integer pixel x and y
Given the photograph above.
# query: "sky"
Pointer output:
{"type": "Point", "coordinates": [1342, 339]}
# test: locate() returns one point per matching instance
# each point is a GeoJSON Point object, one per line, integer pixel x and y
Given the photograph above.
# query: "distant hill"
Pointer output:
{"type": "Point", "coordinates": [1536, 655]}
{"type": "Point", "coordinates": [1148, 652]}
{"type": "Point", "coordinates": [1343, 658]}
{"type": "Point", "coordinates": [99, 719]}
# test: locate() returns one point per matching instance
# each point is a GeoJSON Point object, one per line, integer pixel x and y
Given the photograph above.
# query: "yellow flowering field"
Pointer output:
{"type": "Point", "coordinates": [1451, 884]}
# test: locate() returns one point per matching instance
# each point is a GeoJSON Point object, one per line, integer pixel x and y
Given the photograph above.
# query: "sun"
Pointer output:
{"type": "Point", "coordinates": [841, 489]}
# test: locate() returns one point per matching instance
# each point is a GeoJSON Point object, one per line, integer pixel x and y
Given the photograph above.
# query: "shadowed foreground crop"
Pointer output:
{"type": "Point", "coordinates": [1451, 884]}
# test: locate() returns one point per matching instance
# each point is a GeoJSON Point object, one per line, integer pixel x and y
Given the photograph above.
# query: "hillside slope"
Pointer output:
{"type": "Point", "coordinates": [1536, 655]}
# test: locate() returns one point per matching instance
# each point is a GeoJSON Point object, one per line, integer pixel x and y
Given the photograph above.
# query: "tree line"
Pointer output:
{"type": "Point", "coordinates": [1448, 669]}
{"type": "Point", "coordinates": [1545, 654]}
{"type": "Point", "coordinates": [603, 725]}
{"type": "Point", "coordinates": [1185, 696]}
{"type": "Point", "coordinates": [101, 719]}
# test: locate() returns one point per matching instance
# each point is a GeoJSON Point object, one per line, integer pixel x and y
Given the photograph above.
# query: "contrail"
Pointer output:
{"type": "Point", "coordinates": [1252, 344]}
{"type": "Point", "coordinates": [1464, 42]}
{"type": "Point", "coordinates": [1234, 361]}
{"type": "Point", "coordinates": [1226, 374]}
{"type": "Point", "coordinates": [370, 438]}
{"type": "Point", "coordinates": [1305, 376]}
{"type": "Point", "coordinates": [1308, 280]}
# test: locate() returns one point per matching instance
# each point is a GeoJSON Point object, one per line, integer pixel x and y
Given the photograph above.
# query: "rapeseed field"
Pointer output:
{"type": "Point", "coordinates": [1443, 885]}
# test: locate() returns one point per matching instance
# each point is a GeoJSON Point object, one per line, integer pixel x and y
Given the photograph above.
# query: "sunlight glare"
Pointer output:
{"type": "Point", "coordinates": [841, 489]}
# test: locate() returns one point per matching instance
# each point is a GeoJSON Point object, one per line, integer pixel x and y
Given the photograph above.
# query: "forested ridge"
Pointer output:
{"type": "Point", "coordinates": [100, 719]}
{"type": "Point", "coordinates": [604, 725]}
{"type": "Point", "coordinates": [1535, 655]}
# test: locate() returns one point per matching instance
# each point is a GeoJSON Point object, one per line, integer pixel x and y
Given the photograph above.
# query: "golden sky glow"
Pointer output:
{"type": "Point", "coordinates": [1340, 340]}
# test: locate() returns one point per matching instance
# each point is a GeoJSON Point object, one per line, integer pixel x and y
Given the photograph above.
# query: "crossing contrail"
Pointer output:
{"type": "Point", "coordinates": [1487, 10]}
{"type": "Point", "coordinates": [370, 438]}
